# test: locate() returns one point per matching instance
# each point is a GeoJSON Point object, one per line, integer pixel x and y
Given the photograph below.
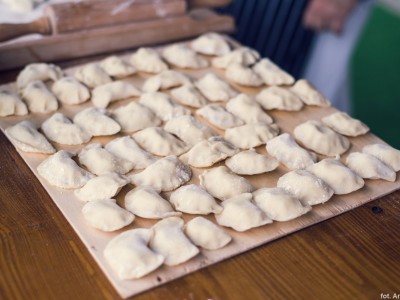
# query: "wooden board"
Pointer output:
{"type": "Point", "coordinates": [95, 240]}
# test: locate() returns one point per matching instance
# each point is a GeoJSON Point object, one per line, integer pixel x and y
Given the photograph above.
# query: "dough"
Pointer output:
{"type": "Point", "coordinates": [210, 43]}
{"type": "Point", "coordinates": [247, 109]}
{"type": "Point", "coordinates": [271, 74]}
{"type": "Point", "coordinates": [11, 104]}
{"type": "Point", "coordinates": [250, 162]}
{"type": "Point", "coordinates": [218, 116]}
{"type": "Point", "coordinates": [182, 56]}
{"type": "Point", "coordinates": [279, 98]}
{"type": "Point", "coordinates": [165, 80]}
{"type": "Point", "coordinates": [243, 75]}
{"type": "Point", "coordinates": [92, 75]}
{"type": "Point", "coordinates": [189, 95]}
{"type": "Point", "coordinates": [214, 88]}
{"type": "Point", "coordinates": [243, 55]}
{"type": "Point", "coordinates": [148, 60]}
{"type": "Point", "coordinates": [309, 94]}
{"type": "Point", "coordinates": [104, 94]}
{"type": "Point", "coordinates": [70, 91]}
{"type": "Point", "coordinates": [389, 155]}
{"type": "Point", "coordinates": [344, 124]}
{"type": "Point", "coordinates": [251, 135]}
{"type": "Point", "coordinates": [117, 67]}
{"type": "Point", "coordinates": [38, 72]}
{"type": "Point", "coordinates": [38, 98]}
{"type": "Point", "coordinates": [96, 122]}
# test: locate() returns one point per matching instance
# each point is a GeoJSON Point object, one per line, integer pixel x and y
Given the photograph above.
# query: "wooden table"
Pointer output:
{"type": "Point", "coordinates": [353, 256]}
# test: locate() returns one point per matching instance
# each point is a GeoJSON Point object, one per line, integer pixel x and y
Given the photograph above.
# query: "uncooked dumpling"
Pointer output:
{"type": "Point", "coordinates": [251, 135]}
{"type": "Point", "coordinates": [219, 116]}
{"type": "Point", "coordinates": [309, 94]}
{"type": "Point", "coordinates": [221, 183]}
{"type": "Point", "coordinates": [104, 94]}
{"type": "Point", "coordinates": [165, 80]}
{"type": "Point", "coordinates": [241, 214]}
{"type": "Point", "coordinates": [370, 167]}
{"type": "Point", "coordinates": [307, 187]}
{"type": "Point", "coordinates": [96, 122]}
{"type": "Point", "coordinates": [146, 202]}
{"type": "Point", "coordinates": [135, 116]}
{"type": "Point", "coordinates": [129, 255]}
{"type": "Point", "coordinates": [182, 56]}
{"type": "Point", "coordinates": [271, 74]}
{"type": "Point", "coordinates": [92, 75]}
{"type": "Point", "coordinates": [106, 215]}
{"type": "Point", "coordinates": [389, 155]}
{"type": "Point", "coordinates": [25, 136]}
{"type": "Point", "coordinates": [214, 88]}
{"type": "Point", "coordinates": [210, 44]}
{"type": "Point", "coordinates": [159, 142]}
{"type": "Point", "coordinates": [279, 205]}
{"type": "Point", "coordinates": [70, 90]}
{"type": "Point", "coordinates": [38, 98]}
{"type": "Point", "coordinates": [285, 149]}
{"type": "Point", "coordinates": [340, 178]}
{"type": "Point", "coordinates": [247, 109]}
{"type": "Point", "coordinates": [189, 95]}
{"type": "Point", "coordinates": [250, 162]}
{"type": "Point", "coordinates": [162, 105]}
{"type": "Point", "coordinates": [189, 130]}
{"type": "Point", "coordinates": [38, 71]}
{"type": "Point", "coordinates": [117, 67]}
{"type": "Point", "coordinates": [321, 139]}
{"type": "Point", "coordinates": [192, 199]}
{"type": "Point", "coordinates": [279, 98]}
{"type": "Point", "coordinates": [126, 148]}
{"type": "Point", "coordinates": [99, 161]}
{"type": "Point", "coordinates": [206, 234]}
{"type": "Point", "coordinates": [60, 129]}
{"type": "Point", "coordinates": [243, 75]}
{"type": "Point", "coordinates": [62, 171]}
{"type": "Point", "coordinates": [207, 153]}
{"type": "Point", "coordinates": [148, 60]}
{"type": "Point", "coordinates": [344, 124]}
{"type": "Point", "coordinates": [11, 104]}
{"type": "Point", "coordinates": [166, 174]}
{"type": "Point", "coordinates": [243, 55]}
{"type": "Point", "coordinates": [102, 187]}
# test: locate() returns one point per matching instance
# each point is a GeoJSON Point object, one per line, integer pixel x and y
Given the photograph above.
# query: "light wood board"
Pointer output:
{"type": "Point", "coordinates": [96, 240]}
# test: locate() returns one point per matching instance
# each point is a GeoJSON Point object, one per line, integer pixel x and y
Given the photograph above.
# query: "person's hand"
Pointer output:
{"type": "Point", "coordinates": [327, 14]}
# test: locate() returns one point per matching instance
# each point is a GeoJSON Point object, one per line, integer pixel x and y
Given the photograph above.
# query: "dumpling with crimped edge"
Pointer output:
{"type": "Point", "coordinates": [102, 187]}
{"type": "Point", "coordinates": [38, 71]}
{"type": "Point", "coordinates": [206, 234]}
{"type": "Point", "coordinates": [214, 88]}
{"type": "Point", "coordinates": [344, 124]}
{"type": "Point", "coordinates": [99, 161]}
{"type": "Point", "coordinates": [170, 241]}
{"type": "Point", "coordinates": [389, 155]}
{"type": "Point", "coordinates": [241, 214]}
{"type": "Point", "coordinates": [38, 98]}
{"type": "Point", "coordinates": [135, 116]}
{"type": "Point", "coordinates": [60, 129]}
{"type": "Point", "coordinates": [247, 109]}
{"type": "Point", "coordinates": [192, 199]}
{"type": "Point", "coordinates": [221, 183]}
{"type": "Point", "coordinates": [182, 56]}
{"type": "Point", "coordinates": [25, 136]}
{"type": "Point", "coordinates": [96, 122]}
{"type": "Point", "coordinates": [211, 43]}
{"type": "Point", "coordinates": [125, 147]}
{"type": "Point", "coordinates": [146, 202]}
{"type": "Point", "coordinates": [250, 163]}
{"type": "Point", "coordinates": [321, 139]}
{"type": "Point", "coordinates": [70, 90]}
{"type": "Point", "coordinates": [116, 66]}
{"type": "Point", "coordinates": [369, 167]}
{"type": "Point", "coordinates": [106, 215]}
{"type": "Point", "coordinates": [272, 74]}
{"type": "Point", "coordinates": [129, 256]}
{"type": "Point", "coordinates": [307, 187]}
{"type": "Point", "coordinates": [279, 98]}
{"type": "Point", "coordinates": [159, 142]}
{"type": "Point", "coordinates": [309, 94]}
{"type": "Point", "coordinates": [209, 152]}
{"type": "Point", "coordinates": [340, 178]}
{"type": "Point", "coordinates": [251, 135]}
{"type": "Point", "coordinates": [189, 95]}
{"type": "Point", "coordinates": [11, 104]}
{"type": "Point", "coordinates": [148, 60]}
{"type": "Point", "coordinates": [162, 105]}
{"type": "Point", "coordinates": [165, 80]}
{"type": "Point", "coordinates": [166, 174]}
{"type": "Point", "coordinates": [243, 75]}
{"type": "Point", "coordinates": [243, 55]}
{"type": "Point", "coordinates": [92, 75]}
{"type": "Point", "coordinates": [285, 149]}
{"type": "Point", "coordinates": [104, 94]}
{"type": "Point", "coordinates": [189, 130]}
{"type": "Point", "coordinates": [219, 116]}
{"type": "Point", "coordinates": [62, 171]}
{"type": "Point", "coordinates": [279, 205]}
